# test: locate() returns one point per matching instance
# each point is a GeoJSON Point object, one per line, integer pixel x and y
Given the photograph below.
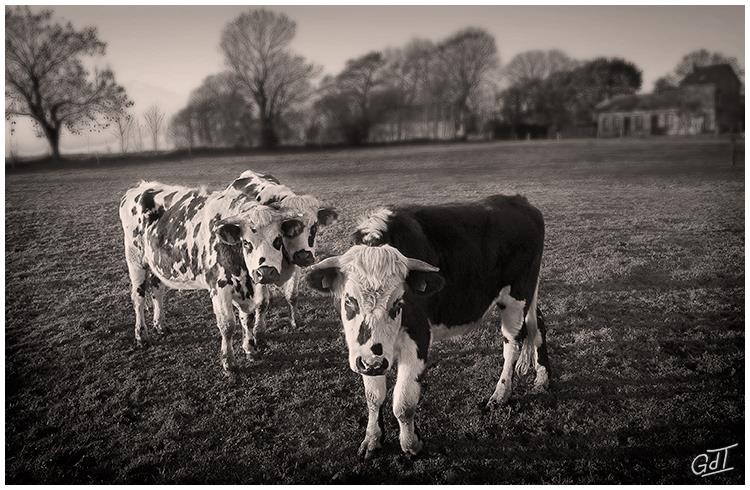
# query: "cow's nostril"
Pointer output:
{"type": "Point", "coordinates": [377, 349]}
{"type": "Point", "coordinates": [303, 258]}
{"type": "Point", "coordinates": [266, 274]}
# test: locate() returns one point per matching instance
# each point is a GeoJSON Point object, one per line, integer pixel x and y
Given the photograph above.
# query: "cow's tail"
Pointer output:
{"type": "Point", "coordinates": [527, 360]}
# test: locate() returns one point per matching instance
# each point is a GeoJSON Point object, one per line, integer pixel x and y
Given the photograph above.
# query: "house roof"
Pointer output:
{"type": "Point", "coordinates": [626, 103]}
{"type": "Point", "coordinates": [709, 74]}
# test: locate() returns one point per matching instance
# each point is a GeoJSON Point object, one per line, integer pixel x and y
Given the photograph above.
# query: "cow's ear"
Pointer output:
{"type": "Point", "coordinates": [327, 216]}
{"type": "Point", "coordinates": [292, 228]}
{"type": "Point", "coordinates": [229, 233]}
{"type": "Point", "coordinates": [323, 280]}
{"type": "Point", "coordinates": [424, 283]}
{"type": "Point", "coordinates": [324, 275]}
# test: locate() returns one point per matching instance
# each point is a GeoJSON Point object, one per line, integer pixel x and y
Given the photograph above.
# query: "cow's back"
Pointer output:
{"type": "Point", "coordinates": [478, 246]}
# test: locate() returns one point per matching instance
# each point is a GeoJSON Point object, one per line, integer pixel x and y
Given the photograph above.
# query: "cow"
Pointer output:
{"type": "Point", "coordinates": [189, 238]}
{"type": "Point", "coordinates": [416, 274]}
{"type": "Point", "coordinates": [298, 232]}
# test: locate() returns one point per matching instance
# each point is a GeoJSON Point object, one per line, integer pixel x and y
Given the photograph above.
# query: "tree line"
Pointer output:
{"type": "Point", "coordinates": [454, 88]}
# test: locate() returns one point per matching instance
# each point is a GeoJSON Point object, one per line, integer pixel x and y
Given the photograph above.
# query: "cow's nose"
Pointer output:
{"type": "Point", "coordinates": [372, 367]}
{"type": "Point", "coordinates": [266, 274]}
{"type": "Point", "coordinates": [303, 258]}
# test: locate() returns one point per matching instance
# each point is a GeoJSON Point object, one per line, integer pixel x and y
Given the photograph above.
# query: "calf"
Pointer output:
{"type": "Point", "coordinates": [420, 273]}
{"type": "Point", "coordinates": [298, 232]}
{"type": "Point", "coordinates": [184, 238]}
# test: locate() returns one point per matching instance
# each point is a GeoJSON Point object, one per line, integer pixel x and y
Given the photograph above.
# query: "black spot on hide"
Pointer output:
{"type": "Point", "coordinates": [364, 333]}
{"type": "Point", "coordinates": [351, 307]}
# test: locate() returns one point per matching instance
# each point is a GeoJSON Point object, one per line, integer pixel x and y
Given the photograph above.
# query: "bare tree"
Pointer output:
{"type": "Point", "coordinates": [154, 118]}
{"type": "Point", "coordinates": [181, 130]}
{"type": "Point", "coordinates": [122, 128]}
{"type": "Point", "coordinates": [46, 78]}
{"type": "Point", "coordinates": [256, 48]}
{"type": "Point", "coordinates": [536, 65]}
{"type": "Point", "coordinates": [137, 135]}
{"type": "Point", "coordinates": [468, 57]}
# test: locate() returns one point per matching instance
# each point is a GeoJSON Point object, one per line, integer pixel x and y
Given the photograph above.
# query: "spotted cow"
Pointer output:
{"type": "Point", "coordinates": [299, 231]}
{"type": "Point", "coordinates": [186, 238]}
{"type": "Point", "coordinates": [420, 273]}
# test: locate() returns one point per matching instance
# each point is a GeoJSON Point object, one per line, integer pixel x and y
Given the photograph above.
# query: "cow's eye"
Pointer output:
{"type": "Point", "coordinates": [253, 230]}
{"type": "Point", "coordinates": [396, 308]}
{"type": "Point", "coordinates": [247, 244]}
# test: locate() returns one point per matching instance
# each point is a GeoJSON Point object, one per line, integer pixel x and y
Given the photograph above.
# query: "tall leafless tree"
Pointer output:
{"type": "Point", "coordinates": [154, 119]}
{"type": "Point", "coordinates": [137, 135]}
{"type": "Point", "coordinates": [256, 48]}
{"type": "Point", "coordinates": [536, 65]}
{"type": "Point", "coordinates": [122, 127]}
{"type": "Point", "coordinates": [46, 78]}
{"type": "Point", "coordinates": [468, 57]}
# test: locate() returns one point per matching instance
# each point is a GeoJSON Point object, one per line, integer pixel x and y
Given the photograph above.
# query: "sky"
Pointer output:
{"type": "Point", "coordinates": [160, 54]}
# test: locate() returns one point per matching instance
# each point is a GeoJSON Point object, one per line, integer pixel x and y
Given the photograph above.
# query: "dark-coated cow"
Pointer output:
{"type": "Point", "coordinates": [186, 238]}
{"type": "Point", "coordinates": [420, 273]}
{"type": "Point", "coordinates": [306, 215]}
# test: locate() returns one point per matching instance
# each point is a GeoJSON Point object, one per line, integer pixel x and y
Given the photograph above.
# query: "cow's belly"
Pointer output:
{"type": "Point", "coordinates": [439, 331]}
{"type": "Point", "coordinates": [174, 270]}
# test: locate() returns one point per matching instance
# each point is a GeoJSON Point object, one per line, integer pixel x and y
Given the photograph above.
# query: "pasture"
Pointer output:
{"type": "Point", "coordinates": [642, 289]}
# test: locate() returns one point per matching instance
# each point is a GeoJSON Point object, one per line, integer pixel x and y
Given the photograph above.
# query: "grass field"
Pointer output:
{"type": "Point", "coordinates": [642, 288]}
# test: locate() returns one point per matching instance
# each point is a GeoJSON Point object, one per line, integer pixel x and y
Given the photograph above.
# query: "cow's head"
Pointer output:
{"type": "Point", "coordinates": [371, 285]}
{"type": "Point", "coordinates": [257, 230]}
{"type": "Point", "coordinates": [300, 230]}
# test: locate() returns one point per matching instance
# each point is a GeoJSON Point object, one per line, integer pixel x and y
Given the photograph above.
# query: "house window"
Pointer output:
{"type": "Point", "coordinates": [662, 120]}
{"type": "Point", "coordinates": [605, 123]}
{"type": "Point", "coordinates": [638, 122]}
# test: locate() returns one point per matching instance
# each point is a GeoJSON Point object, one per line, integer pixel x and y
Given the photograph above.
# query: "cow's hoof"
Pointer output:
{"type": "Point", "coordinates": [368, 448]}
{"type": "Point", "coordinates": [142, 344]}
{"type": "Point", "coordinates": [541, 383]}
{"type": "Point", "coordinates": [412, 448]}
{"type": "Point", "coordinates": [163, 331]}
{"type": "Point", "coordinates": [258, 345]}
{"type": "Point", "coordinates": [495, 403]}
{"type": "Point", "coordinates": [539, 389]}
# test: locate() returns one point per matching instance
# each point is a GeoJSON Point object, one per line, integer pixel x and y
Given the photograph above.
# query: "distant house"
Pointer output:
{"type": "Point", "coordinates": [708, 100]}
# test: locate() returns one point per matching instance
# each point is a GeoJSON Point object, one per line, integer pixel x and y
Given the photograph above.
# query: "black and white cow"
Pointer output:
{"type": "Point", "coordinates": [186, 238]}
{"type": "Point", "coordinates": [420, 273]}
{"type": "Point", "coordinates": [299, 231]}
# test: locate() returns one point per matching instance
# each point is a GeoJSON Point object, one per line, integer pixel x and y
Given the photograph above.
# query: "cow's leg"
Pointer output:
{"type": "Point", "coordinates": [262, 301]}
{"type": "Point", "coordinates": [406, 394]}
{"type": "Point", "coordinates": [248, 340]}
{"type": "Point", "coordinates": [541, 382]}
{"type": "Point", "coordinates": [290, 293]}
{"type": "Point", "coordinates": [138, 287]}
{"type": "Point", "coordinates": [222, 303]}
{"type": "Point", "coordinates": [511, 351]}
{"type": "Point", "coordinates": [375, 389]}
{"type": "Point", "coordinates": [516, 335]}
{"type": "Point", "coordinates": [157, 299]}
{"type": "Point", "coordinates": [514, 331]}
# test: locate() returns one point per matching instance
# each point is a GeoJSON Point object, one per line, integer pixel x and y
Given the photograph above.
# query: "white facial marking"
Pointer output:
{"type": "Point", "coordinates": [374, 225]}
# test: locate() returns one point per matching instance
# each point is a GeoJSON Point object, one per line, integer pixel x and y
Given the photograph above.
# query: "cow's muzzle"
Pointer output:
{"type": "Point", "coordinates": [303, 258]}
{"type": "Point", "coordinates": [266, 275]}
{"type": "Point", "coordinates": [374, 367]}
